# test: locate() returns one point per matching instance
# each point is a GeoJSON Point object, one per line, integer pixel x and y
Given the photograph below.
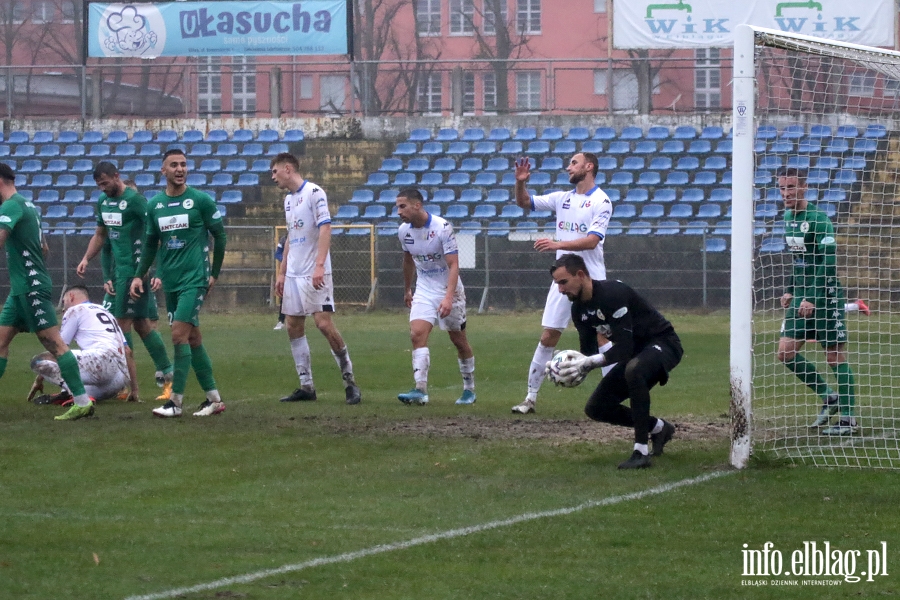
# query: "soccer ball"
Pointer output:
{"type": "Point", "coordinates": [558, 361]}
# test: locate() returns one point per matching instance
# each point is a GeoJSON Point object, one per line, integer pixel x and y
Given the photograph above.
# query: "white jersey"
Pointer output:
{"type": "Point", "coordinates": [92, 327]}
{"type": "Point", "coordinates": [429, 245]}
{"type": "Point", "coordinates": [579, 215]}
{"type": "Point", "coordinates": [305, 211]}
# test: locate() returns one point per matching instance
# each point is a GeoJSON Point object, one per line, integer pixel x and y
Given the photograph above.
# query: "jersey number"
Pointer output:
{"type": "Point", "coordinates": [112, 325]}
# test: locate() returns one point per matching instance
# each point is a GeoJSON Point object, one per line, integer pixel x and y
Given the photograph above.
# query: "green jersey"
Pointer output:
{"type": "Point", "coordinates": [25, 256]}
{"type": "Point", "coordinates": [810, 239]}
{"type": "Point", "coordinates": [178, 228]}
{"type": "Point", "coordinates": [124, 217]}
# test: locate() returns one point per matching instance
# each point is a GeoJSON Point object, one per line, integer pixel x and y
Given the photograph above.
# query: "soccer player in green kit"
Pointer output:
{"type": "Point", "coordinates": [179, 222]}
{"type": "Point", "coordinates": [121, 221]}
{"type": "Point", "coordinates": [814, 301]}
{"type": "Point", "coordinates": [29, 306]}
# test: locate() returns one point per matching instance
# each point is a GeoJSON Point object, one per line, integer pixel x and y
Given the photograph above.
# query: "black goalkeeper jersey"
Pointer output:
{"type": "Point", "coordinates": [622, 316]}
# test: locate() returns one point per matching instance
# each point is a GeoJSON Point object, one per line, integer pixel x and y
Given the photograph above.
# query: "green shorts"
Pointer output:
{"type": "Point", "coordinates": [826, 326]}
{"type": "Point", "coordinates": [30, 312]}
{"type": "Point", "coordinates": [126, 307]}
{"type": "Point", "coordinates": [185, 305]}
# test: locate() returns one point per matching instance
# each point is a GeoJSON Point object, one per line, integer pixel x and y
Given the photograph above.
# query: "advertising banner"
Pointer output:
{"type": "Point", "coordinates": [711, 23]}
{"type": "Point", "coordinates": [144, 30]}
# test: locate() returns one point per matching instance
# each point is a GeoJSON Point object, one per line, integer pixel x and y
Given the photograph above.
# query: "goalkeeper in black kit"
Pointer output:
{"type": "Point", "coordinates": [642, 344]}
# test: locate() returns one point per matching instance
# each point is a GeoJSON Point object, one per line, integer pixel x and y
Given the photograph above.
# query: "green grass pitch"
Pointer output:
{"type": "Point", "coordinates": [125, 505]}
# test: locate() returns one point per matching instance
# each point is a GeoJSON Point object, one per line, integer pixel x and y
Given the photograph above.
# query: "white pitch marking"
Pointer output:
{"type": "Point", "coordinates": [427, 539]}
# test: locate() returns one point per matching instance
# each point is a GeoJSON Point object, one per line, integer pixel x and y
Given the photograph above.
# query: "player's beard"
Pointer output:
{"type": "Point", "coordinates": [576, 178]}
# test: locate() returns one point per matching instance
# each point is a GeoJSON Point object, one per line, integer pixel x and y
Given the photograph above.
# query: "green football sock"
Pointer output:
{"type": "Point", "coordinates": [129, 340]}
{"type": "Point", "coordinates": [68, 369]}
{"type": "Point", "coordinates": [182, 367]}
{"type": "Point", "coordinates": [203, 368]}
{"type": "Point", "coordinates": [806, 372]}
{"type": "Point", "coordinates": [156, 348]}
{"type": "Point", "coordinates": [846, 388]}
{"type": "Point", "coordinates": [3, 362]}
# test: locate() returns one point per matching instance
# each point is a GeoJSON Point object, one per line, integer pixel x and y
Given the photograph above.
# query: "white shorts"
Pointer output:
{"type": "Point", "coordinates": [557, 310]}
{"type": "Point", "coordinates": [425, 308]}
{"type": "Point", "coordinates": [103, 372]}
{"type": "Point", "coordinates": [301, 299]}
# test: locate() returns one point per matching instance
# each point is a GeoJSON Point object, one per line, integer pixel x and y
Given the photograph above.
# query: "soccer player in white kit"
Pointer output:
{"type": "Point", "coordinates": [304, 279]}
{"type": "Point", "coordinates": [430, 256]}
{"type": "Point", "coordinates": [582, 215]}
{"type": "Point", "coordinates": [101, 349]}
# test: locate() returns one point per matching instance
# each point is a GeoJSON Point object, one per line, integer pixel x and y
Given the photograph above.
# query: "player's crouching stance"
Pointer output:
{"type": "Point", "coordinates": [642, 343]}
{"type": "Point", "coordinates": [101, 353]}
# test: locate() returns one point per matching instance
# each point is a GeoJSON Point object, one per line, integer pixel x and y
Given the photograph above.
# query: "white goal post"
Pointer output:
{"type": "Point", "coordinates": [798, 101]}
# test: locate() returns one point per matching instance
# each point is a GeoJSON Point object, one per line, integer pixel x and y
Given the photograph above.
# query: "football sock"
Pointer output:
{"type": "Point", "coordinates": [300, 351]}
{"type": "Point", "coordinates": [851, 307]}
{"type": "Point", "coordinates": [642, 448]}
{"type": "Point", "coordinates": [846, 388]}
{"type": "Point", "coordinates": [128, 339]}
{"type": "Point", "coordinates": [342, 358]}
{"type": "Point", "coordinates": [182, 366]}
{"type": "Point", "coordinates": [3, 362]}
{"type": "Point", "coordinates": [608, 367]}
{"type": "Point", "coordinates": [68, 369]}
{"type": "Point", "coordinates": [542, 356]}
{"type": "Point", "coordinates": [203, 368]}
{"type": "Point", "coordinates": [177, 399]}
{"type": "Point", "coordinates": [156, 348]}
{"type": "Point", "coordinates": [806, 372]}
{"type": "Point", "coordinates": [421, 362]}
{"type": "Point", "coordinates": [658, 427]}
{"type": "Point", "coordinates": [213, 396]}
{"type": "Point", "coordinates": [467, 370]}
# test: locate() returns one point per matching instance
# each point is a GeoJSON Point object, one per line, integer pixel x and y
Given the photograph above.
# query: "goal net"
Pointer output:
{"type": "Point", "coordinates": [829, 110]}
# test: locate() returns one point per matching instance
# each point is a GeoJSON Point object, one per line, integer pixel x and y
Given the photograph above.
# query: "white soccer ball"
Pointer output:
{"type": "Point", "coordinates": [558, 361]}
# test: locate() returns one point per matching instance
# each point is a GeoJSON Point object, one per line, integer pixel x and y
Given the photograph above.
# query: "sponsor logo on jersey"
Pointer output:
{"type": "Point", "coordinates": [408, 238]}
{"type": "Point", "coordinates": [111, 219]}
{"type": "Point", "coordinates": [5, 219]}
{"type": "Point", "coordinates": [567, 202]}
{"type": "Point", "coordinates": [620, 313]}
{"type": "Point", "coordinates": [297, 241]}
{"type": "Point", "coordinates": [569, 226]}
{"type": "Point", "coordinates": [159, 205]}
{"type": "Point", "coordinates": [188, 204]}
{"type": "Point", "coordinates": [123, 205]}
{"type": "Point", "coordinates": [173, 223]}
{"type": "Point", "coordinates": [431, 235]}
{"type": "Point", "coordinates": [297, 224]}
{"type": "Point", "coordinates": [113, 235]}
{"type": "Point", "coordinates": [804, 226]}
{"type": "Point", "coordinates": [175, 244]}
{"type": "Point", "coordinates": [173, 204]}
{"type": "Point", "coordinates": [795, 243]}
{"type": "Point", "coordinates": [431, 257]}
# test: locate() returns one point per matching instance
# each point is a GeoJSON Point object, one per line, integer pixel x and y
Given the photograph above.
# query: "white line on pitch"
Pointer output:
{"type": "Point", "coordinates": [427, 539]}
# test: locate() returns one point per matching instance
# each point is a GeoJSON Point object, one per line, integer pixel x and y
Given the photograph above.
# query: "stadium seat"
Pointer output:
{"type": "Point", "coordinates": [511, 211]}
{"type": "Point", "coordinates": [201, 149]}
{"type": "Point", "coordinates": [45, 196]}
{"type": "Point", "coordinates": [166, 136]}
{"type": "Point", "coordinates": [765, 210]}
{"type": "Point", "coordinates": [820, 131]}
{"type": "Point", "coordinates": [144, 180]}
{"type": "Point", "coordinates": [766, 132]}
{"type": "Point", "coordinates": [228, 149]}
{"type": "Point", "coordinates": [31, 166]}
{"type": "Point", "coordinates": [649, 178]}
{"type": "Point", "coordinates": [64, 228]}
{"type": "Point", "coordinates": [499, 134]}
{"type": "Point", "coordinates": [210, 165]}
{"type": "Point", "coordinates": [854, 162]}
{"type": "Point", "coordinates": [391, 165]}
{"type": "Point", "coordinates": [404, 179]}
{"type": "Point", "coordinates": [48, 150]}
{"type": "Point", "coordinates": [222, 180]}
{"type": "Point", "coordinates": [362, 196]}
{"type": "Point", "coordinates": [432, 149]}
{"type": "Point", "coordinates": [837, 146]}
{"type": "Point", "coordinates": [217, 136]}
{"type": "Point", "coordinates": [150, 149]}
{"type": "Point", "coordinates": [809, 145]}
{"type": "Point", "coordinates": [432, 179]}
{"type": "Point", "coordinates": [23, 150]}
{"type": "Point", "coordinates": [699, 147]}
{"type": "Point", "coordinates": [798, 162]}
{"type": "Point", "coordinates": [498, 196]}
{"type": "Point", "coordinates": [873, 131]}
{"type": "Point", "coordinates": [624, 211]}
{"type": "Point", "coordinates": [293, 136]}
{"type": "Point", "coordinates": [378, 179]}
{"type": "Point", "coordinates": [443, 196]}
{"type": "Point", "coordinates": [91, 137]}
{"type": "Point", "coordinates": [770, 161]}
{"type": "Point", "coordinates": [457, 211]}
{"type": "Point", "coordinates": [551, 163]}
{"type": "Point", "coordinates": [724, 146]}
{"type": "Point", "coordinates": [712, 132]}
{"type": "Point", "coordinates": [677, 178]}
{"type": "Point", "coordinates": [498, 228]}
{"type": "Point", "coordinates": [192, 136]}
{"type": "Point", "coordinates": [484, 148]}
{"type": "Point", "coordinates": [705, 178]}
{"type": "Point", "coordinates": [762, 177]}
{"type": "Point", "coordinates": [82, 211]}
{"type": "Point", "coordinates": [865, 146]}
{"type": "Point", "coordinates": [672, 147]}
{"type": "Point", "coordinates": [696, 228]}
{"type": "Point", "coordinates": [658, 133]}
{"type": "Point", "coordinates": [847, 131]}
{"type": "Point", "coordinates": [552, 134]}
{"type": "Point", "coordinates": [660, 163]}
{"type": "Point", "coordinates": [458, 149]}
{"type": "Point", "coordinates": [448, 134]}
{"type": "Point", "coordinates": [253, 149]}
{"type": "Point", "coordinates": [472, 165]}
{"type": "Point", "coordinates": [415, 165]}
{"type": "Point", "coordinates": [67, 180]}
{"type": "Point", "coordinates": [637, 195]}
{"type": "Point", "coordinates": [374, 211]}
{"type": "Point", "coordinates": [471, 196]}
{"type": "Point", "coordinates": [235, 165]}
{"type": "Point", "coordinates": [639, 228]}
{"type": "Point", "coordinates": [21, 180]}
{"type": "Point", "coordinates": [40, 180]}
{"type": "Point", "coordinates": [484, 179]}
{"type": "Point", "coordinates": [473, 134]}
{"type": "Point", "coordinates": [538, 147]}
{"type": "Point", "coordinates": [668, 228]}
{"type": "Point", "coordinates": [715, 244]}
{"type": "Point", "coordinates": [720, 195]}
{"type": "Point", "coordinates": [817, 177]}
{"type": "Point", "coordinates": [525, 134]}
{"type": "Point", "coordinates": [681, 210]}
{"type": "Point", "coordinates": [276, 148]}
{"type": "Point", "coordinates": [242, 136]}
{"type": "Point", "coordinates": [792, 132]}
{"type": "Point", "coordinates": [419, 135]}
{"type": "Point", "coordinates": [645, 147]}
{"type": "Point", "coordinates": [73, 150]}
{"type": "Point", "coordinates": [722, 228]}
{"type": "Point", "coordinates": [537, 178]}
{"type": "Point", "coordinates": [19, 137]}
{"type": "Point", "coordinates": [497, 164]}
{"type": "Point", "coordinates": [133, 165]}
{"type": "Point", "coordinates": [116, 137]}
{"type": "Point", "coordinates": [56, 165]}
{"type": "Point", "coordinates": [685, 132]}
{"type": "Point", "coordinates": [828, 208]}
{"type": "Point", "coordinates": [568, 148]}
{"type": "Point", "coordinates": [259, 165]}
{"type": "Point", "coordinates": [622, 178]}
{"type": "Point", "coordinates": [664, 195]}
{"type": "Point", "coordinates": [267, 136]}
{"type": "Point", "coordinates": [231, 197]}
{"type": "Point", "coordinates": [631, 133]}
{"type": "Point", "coordinates": [709, 211]}
{"type": "Point", "coordinates": [633, 163]}
{"type": "Point", "coordinates": [614, 227]}
{"type": "Point", "coordinates": [484, 211]}
{"type": "Point", "coordinates": [844, 177]}
{"type": "Point", "coordinates": [715, 163]}
{"type": "Point", "coordinates": [387, 197]}
{"type": "Point", "coordinates": [196, 179]}
{"type": "Point", "coordinates": [616, 148]}
{"type": "Point", "coordinates": [604, 134]}
{"type": "Point", "coordinates": [56, 211]}
{"type": "Point", "coordinates": [458, 179]}
{"type": "Point", "coordinates": [771, 244]}
{"type": "Point", "coordinates": [406, 149]}
{"type": "Point", "coordinates": [67, 137]}
{"type": "Point", "coordinates": [652, 211]}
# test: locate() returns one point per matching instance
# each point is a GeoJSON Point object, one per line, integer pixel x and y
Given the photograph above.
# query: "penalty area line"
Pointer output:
{"type": "Point", "coordinates": [427, 539]}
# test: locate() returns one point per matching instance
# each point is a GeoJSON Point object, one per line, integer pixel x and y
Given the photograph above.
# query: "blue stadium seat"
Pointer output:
{"type": "Point", "coordinates": [633, 163]}
{"type": "Point", "coordinates": [431, 149]}
{"type": "Point", "coordinates": [645, 147]}
{"type": "Point", "coordinates": [765, 210]}
{"type": "Point", "coordinates": [568, 148]}
{"type": "Point", "coordinates": [473, 134]}
{"type": "Point", "coordinates": [681, 210]}
{"type": "Point", "coordinates": [722, 228]}
{"type": "Point", "coordinates": [617, 147]}
{"type": "Point", "coordinates": [484, 211]}
{"type": "Point", "coordinates": [378, 178]}
{"type": "Point", "coordinates": [259, 165]}
{"type": "Point", "coordinates": [404, 179]}
{"type": "Point", "coordinates": [715, 244]}
{"type": "Point", "coordinates": [498, 228]}
{"type": "Point", "coordinates": [484, 179]}
{"type": "Point", "coordinates": [64, 228]}
{"type": "Point", "coordinates": [202, 149]}
{"type": "Point", "coordinates": [798, 162]}
{"type": "Point", "coordinates": [391, 165]}
{"type": "Point", "coordinates": [844, 177]}
{"type": "Point", "coordinates": [448, 134]}
{"type": "Point", "coordinates": [604, 134]}
{"type": "Point", "coordinates": [67, 137]}
{"type": "Point", "coordinates": [415, 165]}
{"type": "Point", "coordinates": [73, 150]}
{"type": "Point", "coordinates": [660, 163]}
{"type": "Point", "coordinates": [766, 132]}
{"type": "Point", "coordinates": [116, 137]}
{"type": "Point", "coordinates": [685, 132]}
{"type": "Point", "coordinates": [457, 211]}
{"type": "Point", "coordinates": [235, 165]}
{"type": "Point", "coordinates": [551, 163]}
{"type": "Point", "coordinates": [166, 136]}
{"type": "Point", "coordinates": [828, 208]}
{"type": "Point", "coordinates": [31, 166]}
{"type": "Point", "coordinates": [854, 162]}
{"type": "Point", "coordinates": [677, 178]}
{"type": "Point", "coordinates": [631, 133]}
{"type": "Point", "coordinates": [21, 180]}
{"type": "Point", "coordinates": [231, 196]}
{"type": "Point", "coordinates": [715, 163]}
{"type": "Point", "coordinates": [228, 149]}
{"type": "Point", "coordinates": [865, 146]}
{"type": "Point", "coordinates": [847, 131]}
{"type": "Point", "coordinates": [696, 228]}
{"type": "Point", "coordinates": [622, 178]}
{"type": "Point", "coordinates": [511, 147]}
{"type": "Point", "coordinates": [387, 196]}
{"type": "Point", "coordinates": [712, 132]}
{"type": "Point", "coordinates": [196, 179]}
{"type": "Point", "coordinates": [809, 145]}
{"type": "Point", "coordinates": [432, 179]}
{"type": "Point", "coordinates": [770, 161]}
{"type": "Point", "coordinates": [527, 227]}
{"type": "Point", "coordinates": [471, 196]}
{"type": "Point", "coordinates": [443, 196]}
{"type": "Point", "coordinates": [458, 149]}
{"type": "Point", "coordinates": [82, 211]}
{"type": "Point", "coordinates": [48, 150]}
{"type": "Point", "coordinates": [67, 180]}
{"type": "Point", "coordinates": [658, 133]}
{"type": "Point", "coordinates": [724, 147]}
{"type": "Point", "coordinates": [668, 228]}
{"type": "Point", "coordinates": [498, 195]}
{"type": "Point", "coordinates": [46, 195]}
{"type": "Point", "coordinates": [222, 180]}
{"type": "Point", "coordinates": [419, 135]}
{"type": "Point", "coordinates": [472, 165]}
{"type": "Point", "coordinates": [709, 211]}
{"type": "Point", "coordinates": [538, 179]}
{"type": "Point", "coordinates": [150, 149]}
{"type": "Point", "coordinates": [699, 147]}
{"type": "Point", "coordinates": [133, 165]}
{"type": "Point", "coordinates": [511, 211]}
{"type": "Point", "coordinates": [497, 164]}
{"type": "Point", "coordinates": [639, 228]}
{"type": "Point", "coordinates": [637, 195]}
{"type": "Point", "coordinates": [56, 165]}
{"type": "Point", "coordinates": [771, 244]}
{"type": "Point", "coordinates": [873, 131]}
{"type": "Point", "coordinates": [672, 147]}
{"type": "Point", "coordinates": [210, 165]}
{"type": "Point", "coordinates": [192, 136]}
{"type": "Point", "coordinates": [23, 150]}
{"type": "Point", "coordinates": [828, 162]}
{"type": "Point", "coordinates": [614, 228]}
{"type": "Point", "coordinates": [562, 179]}
{"type": "Point", "coordinates": [361, 196]}
{"type": "Point", "coordinates": [792, 132]}
{"type": "Point", "coordinates": [837, 146]}
{"type": "Point", "coordinates": [374, 211]}
{"type": "Point", "coordinates": [820, 131]}
{"type": "Point", "coordinates": [579, 134]}
{"type": "Point", "coordinates": [649, 178]}
{"type": "Point", "coordinates": [624, 211]}
{"type": "Point", "coordinates": [293, 136]}
{"type": "Point", "coordinates": [552, 134]}
{"type": "Point", "coordinates": [499, 134]}
{"type": "Point", "coordinates": [762, 177]}
{"type": "Point", "coordinates": [267, 136]}
{"type": "Point", "coordinates": [458, 179]}
{"type": "Point", "coordinates": [470, 227]}
{"type": "Point", "coordinates": [538, 147]}
{"type": "Point", "coordinates": [19, 137]}
{"type": "Point", "coordinates": [525, 134]}
{"type": "Point", "coordinates": [252, 149]}
{"type": "Point", "coordinates": [91, 137]}
{"type": "Point", "coordinates": [834, 195]}
{"type": "Point", "coordinates": [144, 180]}
{"type": "Point", "coordinates": [484, 148]}
{"type": "Point", "coordinates": [652, 211]}
{"type": "Point", "coordinates": [817, 177]}
{"type": "Point", "coordinates": [217, 136]}
{"type": "Point", "coordinates": [276, 148]}
{"type": "Point", "coordinates": [444, 165]}
{"type": "Point", "coordinates": [242, 136]}
{"type": "Point", "coordinates": [721, 194]}
{"type": "Point", "coordinates": [56, 211]}
{"type": "Point", "coordinates": [705, 178]}
{"type": "Point", "coordinates": [40, 180]}
{"type": "Point", "coordinates": [664, 195]}
{"type": "Point", "coordinates": [247, 180]}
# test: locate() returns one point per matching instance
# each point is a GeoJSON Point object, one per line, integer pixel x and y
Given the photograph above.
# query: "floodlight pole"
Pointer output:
{"type": "Point", "coordinates": [741, 371]}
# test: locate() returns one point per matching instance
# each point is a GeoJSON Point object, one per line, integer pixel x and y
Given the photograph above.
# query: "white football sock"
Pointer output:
{"type": "Point", "coordinates": [342, 358]}
{"type": "Point", "coordinates": [421, 362]}
{"type": "Point", "coordinates": [300, 351]}
{"type": "Point", "coordinates": [542, 355]}
{"type": "Point", "coordinates": [467, 370]}
{"type": "Point", "coordinates": [642, 448]}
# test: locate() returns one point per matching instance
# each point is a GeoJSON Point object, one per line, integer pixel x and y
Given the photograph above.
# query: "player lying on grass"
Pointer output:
{"type": "Point", "coordinates": [102, 359]}
{"type": "Point", "coordinates": [642, 344]}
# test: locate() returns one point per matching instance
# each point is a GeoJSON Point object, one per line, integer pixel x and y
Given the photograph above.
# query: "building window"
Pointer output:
{"type": "Point", "coordinates": [528, 16]}
{"type": "Point", "coordinates": [428, 17]}
{"type": "Point", "coordinates": [20, 11]}
{"type": "Point", "coordinates": [468, 96]}
{"type": "Point", "coordinates": [862, 84]}
{"type": "Point", "coordinates": [68, 10]}
{"type": "Point", "coordinates": [891, 87]}
{"type": "Point", "coordinates": [489, 92]}
{"type": "Point", "coordinates": [430, 94]}
{"type": "Point", "coordinates": [461, 15]}
{"type": "Point", "coordinates": [209, 86]}
{"type": "Point", "coordinates": [528, 90]}
{"type": "Point", "coordinates": [243, 85]}
{"type": "Point", "coordinates": [306, 87]}
{"type": "Point", "coordinates": [43, 12]}
{"type": "Point", "coordinates": [599, 6]}
{"type": "Point", "coordinates": [707, 79]}
{"type": "Point", "coordinates": [494, 12]}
